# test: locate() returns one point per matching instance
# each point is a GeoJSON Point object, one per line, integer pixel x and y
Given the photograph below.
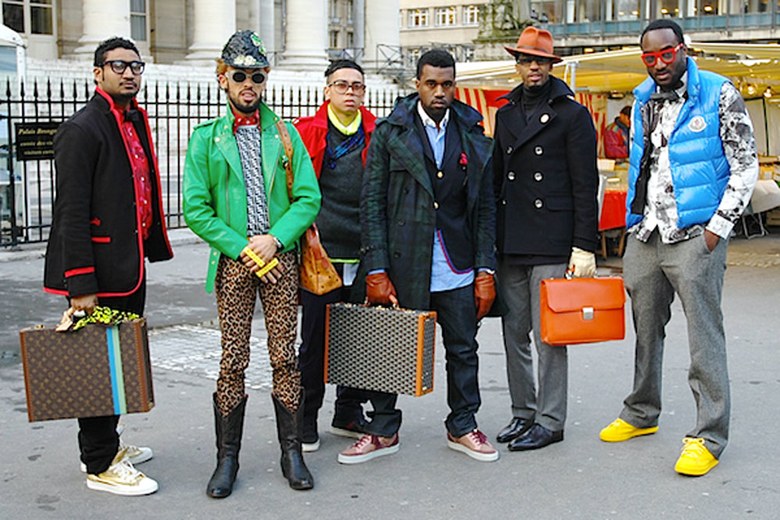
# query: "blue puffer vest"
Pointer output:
{"type": "Point", "coordinates": [700, 171]}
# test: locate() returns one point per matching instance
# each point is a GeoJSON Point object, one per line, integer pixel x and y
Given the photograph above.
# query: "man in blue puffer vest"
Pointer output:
{"type": "Point", "coordinates": [693, 166]}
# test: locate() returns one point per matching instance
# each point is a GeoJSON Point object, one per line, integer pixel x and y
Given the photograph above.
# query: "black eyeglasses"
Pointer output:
{"type": "Point", "coordinates": [527, 59]}
{"type": "Point", "coordinates": [120, 66]}
{"type": "Point", "coordinates": [342, 86]}
{"type": "Point", "coordinates": [239, 76]}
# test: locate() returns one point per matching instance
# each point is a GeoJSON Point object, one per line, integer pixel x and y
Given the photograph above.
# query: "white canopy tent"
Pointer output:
{"type": "Point", "coordinates": [748, 65]}
{"type": "Point", "coordinates": [12, 52]}
{"type": "Point", "coordinates": [753, 68]}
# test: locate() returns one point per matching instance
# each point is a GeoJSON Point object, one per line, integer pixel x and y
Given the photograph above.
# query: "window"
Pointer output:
{"type": "Point", "coordinates": [138, 20]}
{"type": "Point", "coordinates": [333, 8]}
{"type": "Point", "coordinates": [334, 39]}
{"type": "Point", "coordinates": [623, 10]}
{"type": "Point", "coordinates": [350, 39]}
{"type": "Point", "coordinates": [470, 15]}
{"type": "Point", "coordinates": [668, 9]}
{"type": "Point", "coordinates": [29, 16]}
{"type": "Point", "coordinates": [418, 18]}
{"type": "Point", "coordinates": [708, 7]}
{"type": "Point", "coordinates": [445, 16]}
{"type": "Point", "coordinates": [588, 11]}
{"type": "Point", "coordinates": [350, 8]}
{"type": "Point", "coordinates": [414, 56]}
{"type": "Point", "coordinates": [549, 11]}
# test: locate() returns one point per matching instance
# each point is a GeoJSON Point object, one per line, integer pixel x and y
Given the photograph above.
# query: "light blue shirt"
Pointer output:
{"type": "Point", "coordinates": [444, 275]}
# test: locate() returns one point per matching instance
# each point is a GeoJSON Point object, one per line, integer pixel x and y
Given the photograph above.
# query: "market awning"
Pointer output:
{"type": "Point", "coordinates": [752, 67]}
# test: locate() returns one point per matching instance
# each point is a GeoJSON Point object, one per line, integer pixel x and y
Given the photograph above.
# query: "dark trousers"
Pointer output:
{"type": "Point", "coordinates": [98, 440]}
{"type": "Point", "coordinates": [311, 359]}
{"type": "Point", "coordinates": [457, 314]}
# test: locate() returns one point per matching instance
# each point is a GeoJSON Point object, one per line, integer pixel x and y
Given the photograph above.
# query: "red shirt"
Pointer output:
{"type": "Point", "coordinates": [139, 164]}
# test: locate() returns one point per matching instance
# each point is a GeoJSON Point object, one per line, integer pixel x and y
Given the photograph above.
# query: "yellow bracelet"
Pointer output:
{"type": "Point", "coordinates": [251, 254]}
{"type": "Point", "coordinates": [265, 267]}
{"type": "Point", "coordinates": [270, 265]}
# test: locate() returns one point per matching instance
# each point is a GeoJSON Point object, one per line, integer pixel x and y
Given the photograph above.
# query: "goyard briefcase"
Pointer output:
{"type": "Point", "coordinates": [380, 348]}
{"type": "Point", "coordinates": [97, 370]}
{"type": "Point", "coordinates": [582, 310]}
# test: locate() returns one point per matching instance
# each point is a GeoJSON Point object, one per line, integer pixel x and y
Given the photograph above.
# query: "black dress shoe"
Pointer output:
{"type": "Point", "coordinates": [514, 429]}
{"type": "Point", "coordinates": [536, 437]}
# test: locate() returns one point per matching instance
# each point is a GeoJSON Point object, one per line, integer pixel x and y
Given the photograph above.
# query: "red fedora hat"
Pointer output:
{"type": "Point", "coordinates": [535, 42]}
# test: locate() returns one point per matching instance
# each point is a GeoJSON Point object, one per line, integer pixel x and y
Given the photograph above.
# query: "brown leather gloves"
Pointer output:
{"type": "Point", "coordinates": [484, 293]}
{"type": "Point", "coordinates": [380, 290]}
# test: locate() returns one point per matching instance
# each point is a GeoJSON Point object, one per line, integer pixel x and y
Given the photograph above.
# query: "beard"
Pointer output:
{"type": "Point", "coordinates": [243, 107]}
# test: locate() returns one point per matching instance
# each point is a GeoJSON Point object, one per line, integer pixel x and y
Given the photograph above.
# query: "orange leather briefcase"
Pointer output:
{"type": "Point", "coordinates": [582, 310]}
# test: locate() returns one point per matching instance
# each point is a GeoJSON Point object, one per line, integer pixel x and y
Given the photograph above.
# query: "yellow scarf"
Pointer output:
{"type": "Point", "coordinates": [349, 129]}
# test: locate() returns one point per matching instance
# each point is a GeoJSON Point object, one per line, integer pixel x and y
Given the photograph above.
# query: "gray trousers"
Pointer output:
{"type": "Point", "coordinates": [653, 273]}
{"type": "Point", "coordinates": [519, 286]}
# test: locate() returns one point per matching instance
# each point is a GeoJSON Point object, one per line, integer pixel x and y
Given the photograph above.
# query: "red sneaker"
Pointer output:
{"type": "Point", "coordinates": [369, 447]}
{"type": "Point", "coordinates": [474, 444]}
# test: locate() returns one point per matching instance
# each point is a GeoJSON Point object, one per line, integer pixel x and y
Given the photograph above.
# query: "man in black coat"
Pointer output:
{"type": "Point", "coordinates": [545, 178]}
{"type": "Point", "coordinates": [108, 218]}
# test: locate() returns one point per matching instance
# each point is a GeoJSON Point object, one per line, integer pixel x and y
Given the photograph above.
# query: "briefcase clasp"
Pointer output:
{"type": "Point", "coordinates": [587, 313]}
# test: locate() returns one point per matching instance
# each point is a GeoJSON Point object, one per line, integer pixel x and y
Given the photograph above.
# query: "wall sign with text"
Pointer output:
{"type": "Point", "coordinates": [35, 141]}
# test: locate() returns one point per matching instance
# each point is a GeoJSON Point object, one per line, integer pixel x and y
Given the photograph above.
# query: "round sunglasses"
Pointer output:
{"type": "Point", "coordinates": [239, 76]}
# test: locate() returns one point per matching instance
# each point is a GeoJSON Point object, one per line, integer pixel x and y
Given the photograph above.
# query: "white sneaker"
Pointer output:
{"type": "Point", "coordinates": [135, 454]}
{"type": "Point", "coordinates": [308, 447]}
{"type": "Point", "coordinates": [121, 478]}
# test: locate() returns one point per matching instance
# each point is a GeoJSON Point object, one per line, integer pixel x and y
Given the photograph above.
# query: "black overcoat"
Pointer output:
{"type": "Point", "coordinates": [95, 246]}
{"type": "Point", "coordinates": [545, 176]}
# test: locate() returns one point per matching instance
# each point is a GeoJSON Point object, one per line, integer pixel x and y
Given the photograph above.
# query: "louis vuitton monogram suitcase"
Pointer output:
{"type": "Point", "coordinates": [97, 370]}
{"type": "Point", "coordinates": [380, 348]}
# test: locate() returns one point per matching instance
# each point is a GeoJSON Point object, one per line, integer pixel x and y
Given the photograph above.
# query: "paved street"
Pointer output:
{"type": "Point", "coordinates": [580, 478]}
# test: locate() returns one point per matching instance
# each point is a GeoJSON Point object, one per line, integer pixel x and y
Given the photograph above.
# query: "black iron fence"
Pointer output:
{"type": "Point", "coordinates": [27, 176]}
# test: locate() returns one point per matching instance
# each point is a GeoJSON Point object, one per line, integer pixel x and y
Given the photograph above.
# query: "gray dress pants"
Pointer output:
{"type": "Point", "coordinates": [519, 286]}
{"type": "Point", "coordinates": [654, 272]}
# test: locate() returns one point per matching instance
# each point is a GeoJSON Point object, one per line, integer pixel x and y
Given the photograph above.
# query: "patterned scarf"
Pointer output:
{"type": "Point", "coordinates": [356, 141]}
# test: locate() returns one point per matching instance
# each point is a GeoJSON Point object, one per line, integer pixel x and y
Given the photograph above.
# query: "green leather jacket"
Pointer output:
{"type": "Point", "coordinates": [215, 194]}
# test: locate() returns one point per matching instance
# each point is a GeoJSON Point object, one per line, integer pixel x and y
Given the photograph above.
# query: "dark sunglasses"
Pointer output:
{"type": "Point", "coordinates": [239, 76]}
{"type": "Point", "coordinates": [120, 66]}
{"type": "Point", "coordinates": [527, 59]}
{"type": "Point", "coordinates": [342, 86]}
{"type": "Point", "coordinates": [666, 55]}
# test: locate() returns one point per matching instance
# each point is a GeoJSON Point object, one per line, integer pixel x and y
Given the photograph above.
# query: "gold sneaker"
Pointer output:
{"type": "Point", "coordinates": [619, 431]}
{"type": "Point", "coordinates": [135, 454]}
{"type": "Point", "coordinates": [121, 478]}
{"type": "Point", "coordinates": [695, 459]}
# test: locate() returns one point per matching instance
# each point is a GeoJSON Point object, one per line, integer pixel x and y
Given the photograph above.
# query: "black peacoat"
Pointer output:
{"type": "Point", "coordinates": [95, 245]}
{"type": "Point", "coordinates": [545, 176]}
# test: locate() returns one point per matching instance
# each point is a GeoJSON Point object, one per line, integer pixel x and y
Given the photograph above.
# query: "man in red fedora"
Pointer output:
{"type": "Point", "coordinates": [545, 178]}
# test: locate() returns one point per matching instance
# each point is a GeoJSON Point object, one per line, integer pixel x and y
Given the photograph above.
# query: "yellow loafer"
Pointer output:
{"type": "Point", "coordinates": [619, 431]}
{"type": "Point", "coordinates": [695, 459]}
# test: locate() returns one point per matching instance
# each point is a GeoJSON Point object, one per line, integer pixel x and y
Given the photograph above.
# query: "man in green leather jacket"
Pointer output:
{"type": "Point", "coordinates": [236, 199]}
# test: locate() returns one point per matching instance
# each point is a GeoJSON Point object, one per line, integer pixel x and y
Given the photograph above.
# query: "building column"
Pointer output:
{"type": "Point", "coordinates": [101, 20]}
{"type": "Point", "coordinates": [212, 24]}
{"type": "Point", "coordinates": [382, 28]}
{"type": "Point", "coordinates": [267, 26]}
{"type": "Point", "coordinates": [307, 35]}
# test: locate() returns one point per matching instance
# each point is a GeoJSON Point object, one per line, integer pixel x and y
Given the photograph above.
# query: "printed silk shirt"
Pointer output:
{"type": "Point", "coordinates": [739, 145]}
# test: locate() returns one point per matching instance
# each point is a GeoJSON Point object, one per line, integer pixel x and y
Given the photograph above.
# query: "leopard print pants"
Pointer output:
{"type": "Point", "coordinates": [236, 288]}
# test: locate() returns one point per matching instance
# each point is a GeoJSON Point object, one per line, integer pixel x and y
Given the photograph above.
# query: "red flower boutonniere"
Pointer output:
{"type": "Point", "coordinates": [464, 160]}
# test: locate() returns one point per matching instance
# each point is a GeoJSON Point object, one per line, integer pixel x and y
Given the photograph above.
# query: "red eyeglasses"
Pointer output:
{"type": "Point", "coordinates": [666, 55]}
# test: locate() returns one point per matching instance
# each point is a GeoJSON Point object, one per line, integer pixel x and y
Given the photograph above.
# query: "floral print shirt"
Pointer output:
{"type": "Point", "coordinates": [739, 145]}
